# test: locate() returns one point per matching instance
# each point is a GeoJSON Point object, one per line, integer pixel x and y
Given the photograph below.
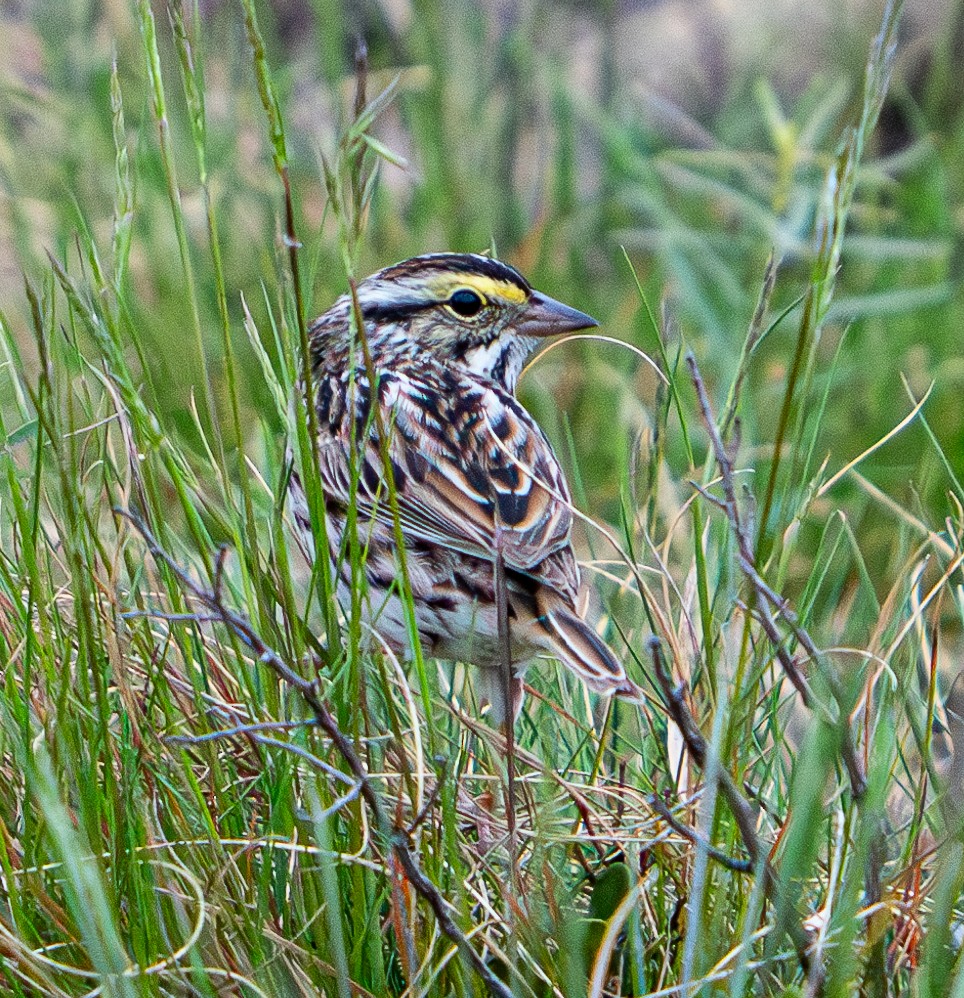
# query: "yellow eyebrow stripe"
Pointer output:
{"type": "Point", "coordinates": [488, 287]}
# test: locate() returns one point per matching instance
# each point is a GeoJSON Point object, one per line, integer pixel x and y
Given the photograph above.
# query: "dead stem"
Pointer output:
{"type": "Point", "coordinates": [395, 835]}
{"type": "Point", "coordinates": [743, 812]}
{"type": "Point", "coordinates": [767, 600]}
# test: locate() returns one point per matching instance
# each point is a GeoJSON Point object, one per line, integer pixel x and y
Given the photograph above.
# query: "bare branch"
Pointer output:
{"type": "Point", "coordinates": [768, 601]}
{"type": "Point", "coordinates": [743, 813]}
{"type": "Point", "coordinates": [396, 837]}
{"type": "Point", "coordinates": [737, 865]}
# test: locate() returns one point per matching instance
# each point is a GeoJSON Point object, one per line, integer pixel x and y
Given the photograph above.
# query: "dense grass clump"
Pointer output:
{"type": "Point", "coordinates": [215, 782]}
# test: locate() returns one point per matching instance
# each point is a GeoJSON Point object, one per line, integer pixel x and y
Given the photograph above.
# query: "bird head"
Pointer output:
{"type": "Point", "coordinates": [461, 310]}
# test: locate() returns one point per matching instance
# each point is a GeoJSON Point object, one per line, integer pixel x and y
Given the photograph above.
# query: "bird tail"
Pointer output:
{"type": "Point", "coordinates": [584, 653]}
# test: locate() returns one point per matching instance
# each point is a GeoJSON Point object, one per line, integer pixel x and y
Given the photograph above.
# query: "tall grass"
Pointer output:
{"type": "Point", "coordinates": [216, 783]}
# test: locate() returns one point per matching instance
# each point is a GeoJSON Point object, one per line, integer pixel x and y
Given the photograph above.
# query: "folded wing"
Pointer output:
{"type": "Point", "coordinates": [472, 471]}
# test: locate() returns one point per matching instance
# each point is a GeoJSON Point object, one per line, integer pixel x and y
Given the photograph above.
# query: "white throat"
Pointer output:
{"type": "Point", "coordinates": [501, 360]}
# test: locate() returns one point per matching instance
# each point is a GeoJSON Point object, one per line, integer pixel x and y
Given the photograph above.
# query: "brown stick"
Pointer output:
{"type": "Point", "coordinates": [768, 601]}
{"type": "Point", "coordinates": [730, 862]}
{"type": "Point", "coordinates": [396, 836]}
{"type": "Point", "coordinates": [741, 808]}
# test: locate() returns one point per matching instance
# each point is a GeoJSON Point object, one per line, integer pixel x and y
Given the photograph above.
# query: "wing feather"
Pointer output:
{"type": "Point", "coordinates": [473, 472]}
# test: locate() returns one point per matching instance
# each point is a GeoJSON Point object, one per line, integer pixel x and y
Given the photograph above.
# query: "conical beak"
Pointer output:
{"type": "Point", "coordinates": [545, 316]}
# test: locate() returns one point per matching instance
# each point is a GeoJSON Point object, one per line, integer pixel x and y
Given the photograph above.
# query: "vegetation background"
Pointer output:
{"type": "Point", "coordinates": [181, 811]}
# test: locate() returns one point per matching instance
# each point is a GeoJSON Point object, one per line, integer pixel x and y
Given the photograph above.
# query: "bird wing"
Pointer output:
{"type": "Point", "coordinates": [472, 472]}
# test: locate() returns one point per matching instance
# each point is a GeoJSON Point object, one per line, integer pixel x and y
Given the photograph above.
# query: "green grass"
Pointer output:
{"type": "Point", "coordinates": [213, 785]}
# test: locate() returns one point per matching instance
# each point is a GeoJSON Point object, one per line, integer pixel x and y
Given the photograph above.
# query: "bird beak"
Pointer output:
{"type": "Point", "coordinates": [545, 316]}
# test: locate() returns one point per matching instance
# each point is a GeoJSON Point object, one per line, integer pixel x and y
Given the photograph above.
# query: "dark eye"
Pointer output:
{"type": "Point", "coordinates": [466, 303]}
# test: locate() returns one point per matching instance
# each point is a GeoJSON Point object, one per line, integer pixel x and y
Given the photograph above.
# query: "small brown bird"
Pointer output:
{"type": "Point", "coordinates": [474, 474]}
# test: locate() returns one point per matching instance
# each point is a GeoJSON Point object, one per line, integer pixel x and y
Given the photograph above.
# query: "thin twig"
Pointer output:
{"type": "Point", "coordinates": [239, 729]}
{"type": "Point", "coordinates": [743, 813]}
{"type": "Point", "coordinates": [430, 801]}
{"type": "Point", "coordinates": [768, 601]}
{"type": "Point", "coordinates": [396, 836]}
{"type": "Point", "coordinates": [730, 862]}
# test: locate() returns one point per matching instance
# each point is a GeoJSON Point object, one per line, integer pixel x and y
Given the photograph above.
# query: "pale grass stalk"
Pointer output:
{"type": "Point", "coordinates": [819, 921]}
{"type": "Point", "coordinates": [607, 945]}
{"type": "Point", "coordinates": [905, 422]}
{"type": "Point", "coordinates": [449, 954]}
{"type": "Point", "coordinates": [705, 820]}
{"type": "Point", "coordinates": [904, 515]}
{"type": "Point", "coordinates": [599, 338]}
{"type": "Point", "coordinates": [922, 604]}
{"type": "Point", "coordinates": [167, 963]}
{"type": "Point", "coordinates": [906, 578]}
{"type": "Point", "coordinates": [413, 717]}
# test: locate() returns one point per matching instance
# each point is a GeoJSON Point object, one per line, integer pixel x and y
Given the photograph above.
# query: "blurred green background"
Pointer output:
{"type": "Point", "coordinates": [694, 135]}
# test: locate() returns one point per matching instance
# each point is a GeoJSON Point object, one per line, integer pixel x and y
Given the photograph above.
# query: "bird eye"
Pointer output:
{"type": "Point", "coordinates": [465, 302]}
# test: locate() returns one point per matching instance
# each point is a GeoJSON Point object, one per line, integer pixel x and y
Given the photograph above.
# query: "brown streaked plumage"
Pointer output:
{"type": "Point", "coordinates": [474, 474]}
